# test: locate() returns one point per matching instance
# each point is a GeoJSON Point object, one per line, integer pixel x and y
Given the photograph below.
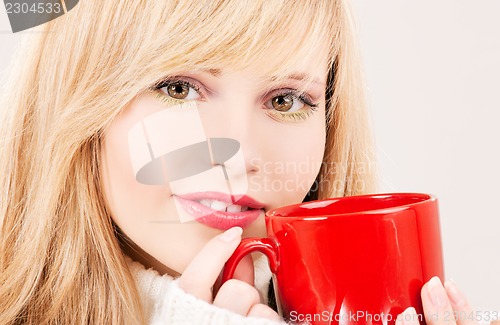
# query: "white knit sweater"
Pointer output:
{"type": "Point", "coordinates": [166, 303]}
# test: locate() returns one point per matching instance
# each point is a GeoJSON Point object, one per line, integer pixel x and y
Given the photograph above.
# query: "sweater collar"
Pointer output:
{"type": "Point", "coordinates": [152, 285]}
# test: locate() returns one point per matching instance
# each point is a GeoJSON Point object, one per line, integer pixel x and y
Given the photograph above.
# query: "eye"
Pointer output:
{"type": "Point", "coordinates": [290, 105]}
{"type": "Point", "coordinates": [286, 103]}
{"type": "Point", "coordinates": [289, 101]}
{"type": "Point", "coordinates": [180, 89]}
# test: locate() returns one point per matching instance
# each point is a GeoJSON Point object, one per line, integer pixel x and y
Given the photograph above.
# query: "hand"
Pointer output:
{"type": "Point", "coordinates": [237, 295]}
{"type": "Point", "coordinates": [442, 306]}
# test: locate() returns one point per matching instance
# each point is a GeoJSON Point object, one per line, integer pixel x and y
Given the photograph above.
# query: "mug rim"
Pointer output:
{"type": "Point", "coordinates": [425, 198]}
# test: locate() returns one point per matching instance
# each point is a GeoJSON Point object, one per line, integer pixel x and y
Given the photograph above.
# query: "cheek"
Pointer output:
{"type": "Point", "coordinates": [129, 201]}
{"type": "Point", "coordinates": [292, 162]}
{"type": "Point", "coordinates": [303, 155]}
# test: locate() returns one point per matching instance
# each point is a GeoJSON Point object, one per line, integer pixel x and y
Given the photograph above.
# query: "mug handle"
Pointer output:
{"type": "Point", "coordinates": [267, 246]}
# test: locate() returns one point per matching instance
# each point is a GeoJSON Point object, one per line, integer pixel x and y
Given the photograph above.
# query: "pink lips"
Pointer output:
{"type": "Point", "coordinates": [221, 219]}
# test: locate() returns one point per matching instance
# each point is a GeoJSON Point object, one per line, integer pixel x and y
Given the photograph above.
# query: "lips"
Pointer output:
{"type": "Point", "coordinates": [220, 210]}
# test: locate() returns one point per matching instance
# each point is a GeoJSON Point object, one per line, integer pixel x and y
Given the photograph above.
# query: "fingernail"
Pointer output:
{"type": "Point", "coordinates": [456, 296]}
{"type": "Point", "coordinates": [231, 234]}
{"type": "Point", "coordinates": [408, 317]}
{"type": "Point", "coordinates": [412, 314]}
{"type": "Point", "coordinates": [436, 293]}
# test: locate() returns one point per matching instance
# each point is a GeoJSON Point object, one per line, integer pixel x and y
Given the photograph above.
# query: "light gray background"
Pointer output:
{"type": "Point", "coordinates": [433, 72]}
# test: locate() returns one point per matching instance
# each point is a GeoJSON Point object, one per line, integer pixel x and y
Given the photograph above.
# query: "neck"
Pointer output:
{"type": "Point", "coordinates": [137, 254]}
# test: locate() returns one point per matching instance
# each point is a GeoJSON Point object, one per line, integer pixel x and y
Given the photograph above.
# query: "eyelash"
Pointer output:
{"type": "Point", "coordinates": [301, 114]}
{"type": "Point", "coordinates": [169, 81]}
{"type": "Point", "coordinates": [303, 97]}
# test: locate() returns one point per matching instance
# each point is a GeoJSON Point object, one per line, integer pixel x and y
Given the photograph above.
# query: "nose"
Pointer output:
{"type": "Point", "coordinates": [240, 124]}
{"type": "Point", "coordinates": [219, 136]}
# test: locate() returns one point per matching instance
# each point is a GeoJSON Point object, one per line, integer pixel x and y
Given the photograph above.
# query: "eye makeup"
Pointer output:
{"type": "Point", "coordinates": [297, 116]}
{"type": "Point", "coordinates": [161, 91]}
{"type": "Point", "coordinates": [181, 84]}
{"type": "Point", "coordinates": [306, 111]}
{"type": "Point", "coordinates": [165, 99]}
{"type": "Point", "coordinates": [177, 82]}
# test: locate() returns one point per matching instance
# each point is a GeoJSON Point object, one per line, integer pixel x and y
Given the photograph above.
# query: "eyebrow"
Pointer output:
{"type": "Point", "coordinates": [214, 72]}
{"type": "Point", "coordinates": [302, 77]}
{"type": "Point", "coordinates": [305, 77]}
{"type": "Point", "coordinates": [294, 76]}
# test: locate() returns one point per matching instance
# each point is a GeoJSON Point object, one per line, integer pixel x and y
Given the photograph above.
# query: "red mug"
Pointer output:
{"type": "Point", "coordinates": [350, 260]}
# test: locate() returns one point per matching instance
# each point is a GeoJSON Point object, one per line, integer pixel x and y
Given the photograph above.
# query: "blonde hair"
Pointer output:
{"type": "Point", "coordinates": [60, 260]}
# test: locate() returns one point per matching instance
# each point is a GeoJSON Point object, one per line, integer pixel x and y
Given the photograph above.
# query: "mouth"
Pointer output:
{"type": "Point", "coordinates": [220, 210]}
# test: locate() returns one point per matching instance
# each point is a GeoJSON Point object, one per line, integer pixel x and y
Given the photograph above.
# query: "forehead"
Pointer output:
{"type": "Point", "coordinates": [304, 70]}
{"type": "Point", "coordinates": [277, 38]}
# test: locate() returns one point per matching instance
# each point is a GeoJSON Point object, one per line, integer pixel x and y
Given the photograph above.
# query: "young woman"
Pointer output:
{"type": "Point", "coordinates": [142, 139]}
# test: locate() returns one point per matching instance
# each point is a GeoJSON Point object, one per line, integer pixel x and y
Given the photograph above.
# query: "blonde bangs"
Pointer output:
{"type": "Point", "coordinates": [273, 35]}
{"type": "Point", "coordinates": [159, 38]}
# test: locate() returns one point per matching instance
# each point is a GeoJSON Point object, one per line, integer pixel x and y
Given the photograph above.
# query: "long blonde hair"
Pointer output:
{"type": "Point", "coordinates": [60, 260]}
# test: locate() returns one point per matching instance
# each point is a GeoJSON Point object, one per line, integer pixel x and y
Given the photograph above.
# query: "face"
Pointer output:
{"type": "Point", "coordinates": [203, 151]}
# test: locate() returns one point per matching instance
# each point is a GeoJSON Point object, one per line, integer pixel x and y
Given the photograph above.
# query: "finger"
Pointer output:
{"type": "Point", "coordinates": [437, 307]}
{"type": "Point", "coordinates": [200, 275]}
{"type": "Point", "coordinates": [408, 317]}
{"type": "Point", "coordinates": [237, 296]}
{"type": "Point", "coordinates": [264, 311]}
{"type": "Point", "coordinates": [243, 272]}
{"type": "Point", "coordinates": [464, 313]}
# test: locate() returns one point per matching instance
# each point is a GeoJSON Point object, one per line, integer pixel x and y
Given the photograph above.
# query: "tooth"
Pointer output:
{"type": "Point", "coordinates": [234, 208]}
{"type": "Point", "coordinates": [218, 205]}
{"type": "Point", "coordinates": [206, 203]}
{"type": "Point", "coordinates": [243, 209]}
